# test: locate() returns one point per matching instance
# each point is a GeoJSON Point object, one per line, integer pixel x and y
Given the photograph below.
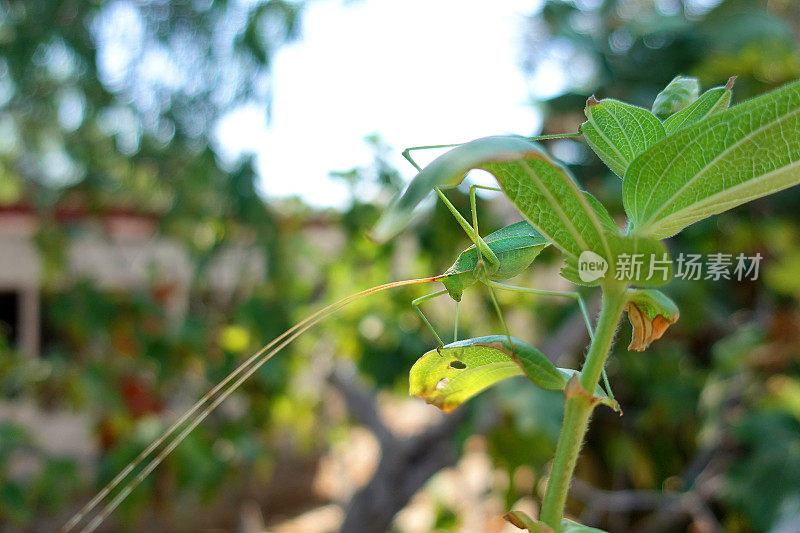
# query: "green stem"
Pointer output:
{"type": "Point", "coordinates": [579, 407]}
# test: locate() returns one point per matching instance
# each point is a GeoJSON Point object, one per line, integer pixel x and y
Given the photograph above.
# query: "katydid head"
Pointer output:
{"type": "Point", "coordinates": [516, 246]}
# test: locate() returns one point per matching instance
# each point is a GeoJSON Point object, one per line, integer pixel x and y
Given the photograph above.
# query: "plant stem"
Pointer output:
{"type": "Point", "coordinates": [578, 408]}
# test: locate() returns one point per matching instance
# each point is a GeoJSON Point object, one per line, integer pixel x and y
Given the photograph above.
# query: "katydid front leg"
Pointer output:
{"type": "Point", "coordinates": [415, 304]}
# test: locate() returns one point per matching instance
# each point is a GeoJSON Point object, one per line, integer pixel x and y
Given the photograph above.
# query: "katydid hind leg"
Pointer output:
{"type": "Point", "coordinates": [568, 294]}
{"type": "Point", "coordinates": [476, 234]}
{"type": "Point", "coordinates": [473, 205]}
{"type": "Point", "coordinates": [455, 323]}
{"type": "Point", "coordinates": [543, 292]}
{"type": "Point", "coordinates": [499, 312]}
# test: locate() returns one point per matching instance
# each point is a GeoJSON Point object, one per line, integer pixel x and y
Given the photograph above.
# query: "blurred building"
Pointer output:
{"type": "Point", "coordinates": [119, 250]}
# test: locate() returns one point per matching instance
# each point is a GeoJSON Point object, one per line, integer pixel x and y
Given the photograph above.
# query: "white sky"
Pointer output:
{"type": "Point", "coordinates": [414, 71]}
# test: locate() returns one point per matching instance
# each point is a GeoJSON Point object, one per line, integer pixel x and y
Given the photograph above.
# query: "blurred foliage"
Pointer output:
{"type": "Point", "coordinates": [76, 130]}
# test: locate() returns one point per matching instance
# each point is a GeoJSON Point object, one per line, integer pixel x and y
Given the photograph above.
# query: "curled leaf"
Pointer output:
{"type": "Point", "coordinates": [678, 94]}
{"type": "Point", "coordinates": [651, 313]}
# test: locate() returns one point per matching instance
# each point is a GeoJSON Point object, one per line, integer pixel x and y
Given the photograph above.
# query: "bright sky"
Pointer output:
{"type": "Point", "coordinates": [414, 71]}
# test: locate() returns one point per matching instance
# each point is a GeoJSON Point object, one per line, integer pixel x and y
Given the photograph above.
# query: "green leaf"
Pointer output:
{"type": "Point", "coordinates": [734, 156]}
{"type": "Point", "coordinates": [516, 246]}
{"type": "Point", "coordinates": [712, 101]}
{"type": "Point", "coordinates": [454, 373]}
{"type": "Point", "coordinates": [618, 132]}
{"type": "Point", "coordinates": [678, 94]}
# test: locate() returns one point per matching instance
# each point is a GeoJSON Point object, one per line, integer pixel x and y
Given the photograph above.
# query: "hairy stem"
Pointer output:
{"type": "Point", "coordinates": [579, 407]}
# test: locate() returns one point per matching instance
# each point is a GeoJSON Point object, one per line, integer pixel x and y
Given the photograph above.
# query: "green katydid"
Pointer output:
{"type": "Point", "coordinates": [503, 255]}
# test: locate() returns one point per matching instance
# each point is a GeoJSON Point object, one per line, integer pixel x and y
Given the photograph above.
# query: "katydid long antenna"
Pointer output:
{"type": "Point", "coordinates": [203, 407]}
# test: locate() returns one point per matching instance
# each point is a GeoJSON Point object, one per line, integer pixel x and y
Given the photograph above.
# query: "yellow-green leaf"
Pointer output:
{"type": "Point", "coordinates": [452, 374]}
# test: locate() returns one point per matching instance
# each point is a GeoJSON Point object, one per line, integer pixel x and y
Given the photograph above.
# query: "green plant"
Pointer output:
{"type": "Point", "coordinates": [703, 158]}
{"type": "Point", "coordinates": [691, 158]}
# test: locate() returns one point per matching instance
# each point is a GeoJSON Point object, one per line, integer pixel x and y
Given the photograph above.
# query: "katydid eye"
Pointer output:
{"type": "Point", "coordinates": [457, 365]}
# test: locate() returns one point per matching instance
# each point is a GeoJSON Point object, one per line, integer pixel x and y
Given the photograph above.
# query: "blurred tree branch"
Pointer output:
{"type": "Point", "coordinates": [405, 464]}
